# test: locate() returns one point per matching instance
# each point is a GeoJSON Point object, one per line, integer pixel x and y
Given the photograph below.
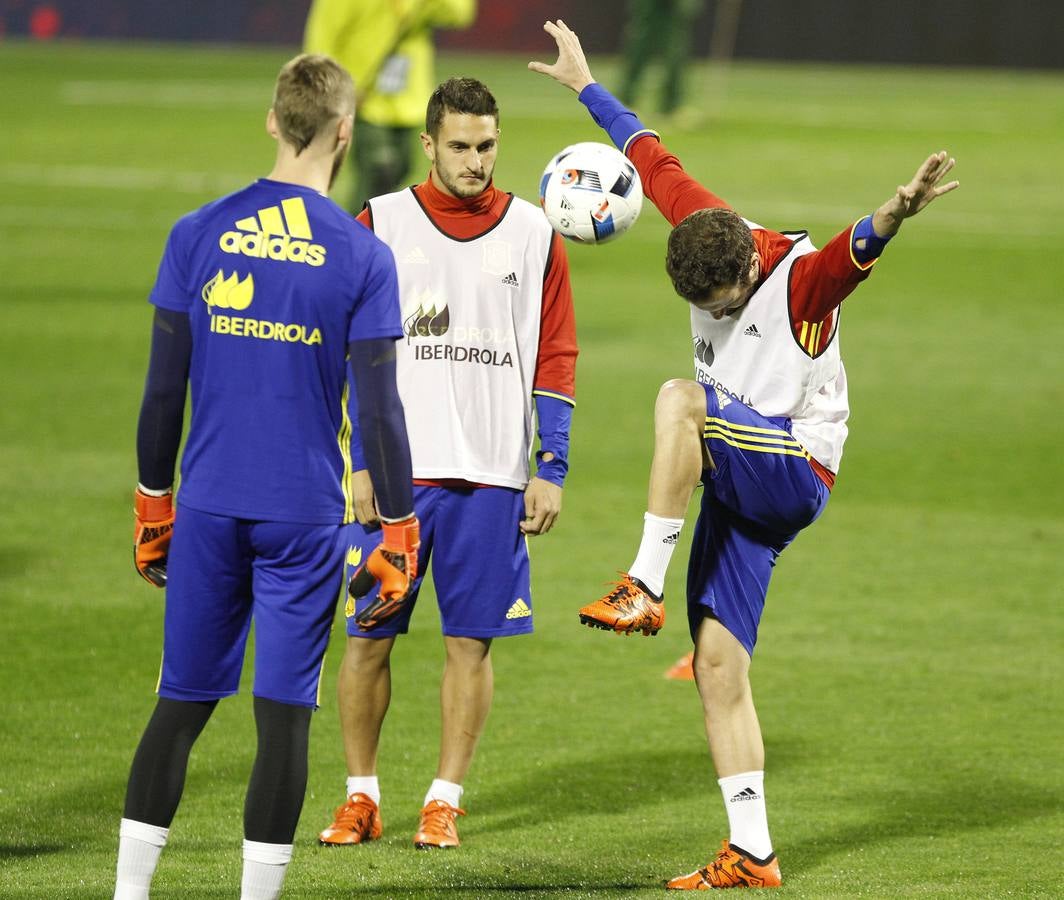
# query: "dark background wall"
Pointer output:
{"type": "Point", "coordinates": [950, 32]}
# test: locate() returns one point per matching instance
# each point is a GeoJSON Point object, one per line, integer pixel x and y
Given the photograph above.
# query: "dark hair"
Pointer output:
{"type": "Point", "coordinates": [312, 90]}
{"type": "Point", "coordinates": [709, 249]}
{"type": "Point", "coordinates": [460, 95]}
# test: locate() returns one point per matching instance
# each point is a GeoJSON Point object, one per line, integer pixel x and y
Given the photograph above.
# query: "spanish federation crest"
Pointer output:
{"type": "Point", "coordinates": [497, 258]}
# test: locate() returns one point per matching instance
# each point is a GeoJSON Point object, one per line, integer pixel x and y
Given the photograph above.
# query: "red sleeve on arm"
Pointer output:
{"type": "Point", "coordinates": [675, 193]}
{"type": "Point", "coordinates": [556, 364]}
{"type": "Point", "coordinates": [365, 217]}
{"type": "Point", "coordinates": [821, 280]}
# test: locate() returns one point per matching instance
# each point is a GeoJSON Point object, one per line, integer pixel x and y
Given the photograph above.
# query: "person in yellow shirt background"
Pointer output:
{"type": "Point", "coordinates": [387, 46]}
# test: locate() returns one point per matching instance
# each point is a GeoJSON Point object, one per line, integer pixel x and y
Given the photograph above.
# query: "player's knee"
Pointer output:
{"type": "Point", "coordinates": [680, 400]}
{"type": "Point", "coordinates": [719, 679]}
{"type": "Point", "coordinates": [363, 655]}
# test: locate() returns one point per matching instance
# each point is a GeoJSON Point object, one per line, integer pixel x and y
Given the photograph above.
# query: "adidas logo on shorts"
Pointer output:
{"type": "Point", "coordinates": [520, 610]}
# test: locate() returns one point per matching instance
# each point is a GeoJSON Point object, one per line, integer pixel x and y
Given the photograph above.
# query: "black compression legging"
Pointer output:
{"type": "Point", "coordinates": [278, 778]}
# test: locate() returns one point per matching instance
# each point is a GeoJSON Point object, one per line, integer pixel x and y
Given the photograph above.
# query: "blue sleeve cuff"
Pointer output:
{"type": "Point", "coordinates": [554, 413]}
{"type": "Point", "coordinates": [865, 244]}
{"type": "Point", "coordinates": [614, 117]}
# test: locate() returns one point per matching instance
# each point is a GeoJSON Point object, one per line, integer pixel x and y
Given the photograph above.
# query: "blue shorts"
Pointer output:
{"type": "Point", "coordinates": [479, 562]}
{"type": "Point", "coordinates": [761, 494]}
{"type": "Point", "coordinates": [223, 573]}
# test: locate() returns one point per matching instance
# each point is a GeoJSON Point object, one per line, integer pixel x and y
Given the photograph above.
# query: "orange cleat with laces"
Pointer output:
{"type": "Point", "coordinates": [358, 820]}
{"type": "Point", "coordinates": [629, 606]}
{"type": "Point", "coordinates": [437, 827]}
{"type": "Point", "coordinates": [732, 868]}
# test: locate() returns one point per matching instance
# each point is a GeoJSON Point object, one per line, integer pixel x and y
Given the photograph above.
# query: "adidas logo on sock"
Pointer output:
{"type": "Point", "coordinates": [520, 610]}
{"type": "Point", "coordinates": [752, 332]}
{"type": "Point", "coordinates": [511, 280]}
{"type": "Point", "coordinates": [746, 794]}
{"type": "Point", "coordinates": [671, 538]}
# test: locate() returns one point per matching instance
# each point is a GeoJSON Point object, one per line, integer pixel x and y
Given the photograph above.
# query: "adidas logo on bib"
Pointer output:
{"type": "Point", "coordinates": [511, 280]}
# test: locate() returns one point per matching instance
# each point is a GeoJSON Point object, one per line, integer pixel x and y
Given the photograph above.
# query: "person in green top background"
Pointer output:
{"type": "Point", "coordinates": [387, 46]}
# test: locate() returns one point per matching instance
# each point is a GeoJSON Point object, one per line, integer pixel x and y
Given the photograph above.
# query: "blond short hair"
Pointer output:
{"type": "Point", "coordinates": [312, 91]}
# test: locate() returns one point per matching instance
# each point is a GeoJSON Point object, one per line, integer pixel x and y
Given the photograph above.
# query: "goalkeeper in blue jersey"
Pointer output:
{"type": "Point", "coordinates": [261, 299]}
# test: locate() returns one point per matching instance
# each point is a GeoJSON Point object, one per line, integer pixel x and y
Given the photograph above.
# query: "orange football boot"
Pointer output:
{"type": "Point", "coordinates": [437, 827]}
{"type": "Point", "coordinates": [358, 820]}
{"type": "Point", "coordinates": [628, 607]}
{"type": "Point", "coordinates": [732, 868]}
{"type": "Point", "coordinates": [683, 669]}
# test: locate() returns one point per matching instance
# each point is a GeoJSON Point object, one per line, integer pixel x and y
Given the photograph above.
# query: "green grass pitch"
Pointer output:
{"type": "Point", "coordinates": [909, 671]}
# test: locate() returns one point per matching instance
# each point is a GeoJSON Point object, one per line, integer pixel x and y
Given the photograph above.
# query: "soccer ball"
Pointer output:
{"type": "Point", "coordinates": [590, 193]}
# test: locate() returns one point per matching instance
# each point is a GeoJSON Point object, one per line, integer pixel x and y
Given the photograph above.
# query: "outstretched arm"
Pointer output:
{"type": "Point", "coordinates": [910, 198]}
{"type": "Point", "coordinates": [675, 193]}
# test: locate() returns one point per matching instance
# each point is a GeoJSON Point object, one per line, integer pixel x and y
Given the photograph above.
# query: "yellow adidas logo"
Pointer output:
{"type": "Point", "coordinates": [276, 232]}
{"type": "Point", "coordinates": [520, 610]}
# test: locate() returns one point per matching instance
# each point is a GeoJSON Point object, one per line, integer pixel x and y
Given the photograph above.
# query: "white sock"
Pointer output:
{"type": "Point", "coordinates": [365, 784]}
{"type": "Point", "coordinates": [139, 847]}
{"type": "Point", "coordinates": [447, 791]}
{"type": "Point", "coordinates": [660, 537]}
{"type": "Point", "coordinates": [265, 866]}
{"type": "Point", "coordinates": [744, 800]}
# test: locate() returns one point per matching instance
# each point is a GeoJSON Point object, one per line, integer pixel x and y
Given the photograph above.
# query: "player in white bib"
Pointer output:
{"type": "Point", "coordinates": [487, 361]}
{"type": "Point", "coordinates": [761, 427]}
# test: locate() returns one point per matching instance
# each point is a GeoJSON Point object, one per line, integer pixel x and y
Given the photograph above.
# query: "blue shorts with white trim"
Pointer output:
{"type": "Point", "coordinates": [479, 560]}
{"type": "Point", "coordinates": [760, 494]}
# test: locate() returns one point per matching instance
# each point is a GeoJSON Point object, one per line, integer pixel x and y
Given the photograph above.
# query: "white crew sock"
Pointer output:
{"type": "Point", "coordinates": [265, 866]}
{"type": "Point", "coordinates": [447, 791]}
{"type": "Point", "coordinates": [660, 537]}
{"type": "Point", "coordinates": [744, 800]}
{"type": "Point", "coordinates": [139, 847]}
{"type": "Point", "coordinates": [365, 784]}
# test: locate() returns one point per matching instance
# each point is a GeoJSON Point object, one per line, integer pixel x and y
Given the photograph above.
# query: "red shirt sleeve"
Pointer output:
{"type": "Point", "coordinates": [365, 218]}
{"type": "Point", "coordinates": [675, 193]}
{"type": "Point", "coordinates": [556, 363]}
{"type": "Point", "coordinates": [820, 281]}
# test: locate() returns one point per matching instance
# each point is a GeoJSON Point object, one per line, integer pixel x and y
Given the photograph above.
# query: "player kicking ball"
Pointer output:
{"type": "Point", "coordinates": [762, 427]}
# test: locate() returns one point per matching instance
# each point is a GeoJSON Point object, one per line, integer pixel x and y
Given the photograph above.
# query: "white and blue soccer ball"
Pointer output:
{"type": "Point", "coordinates": [590, 193]}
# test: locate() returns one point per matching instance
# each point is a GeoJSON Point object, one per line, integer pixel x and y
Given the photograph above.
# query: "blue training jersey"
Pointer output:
{"type": "Point", "coordinates": [277, 280]}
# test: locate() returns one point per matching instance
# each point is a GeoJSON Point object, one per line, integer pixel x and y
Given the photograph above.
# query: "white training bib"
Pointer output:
{"type": "Point", "coordinates": [471, 321]}
{"type": "Point", "coordinates": [755, 357]}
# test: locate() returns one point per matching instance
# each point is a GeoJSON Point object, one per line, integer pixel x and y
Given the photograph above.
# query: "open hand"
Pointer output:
{"type": "Point", "coordinates": [910, 198]}
{"type": "Point", "coordinates": [571, 69]}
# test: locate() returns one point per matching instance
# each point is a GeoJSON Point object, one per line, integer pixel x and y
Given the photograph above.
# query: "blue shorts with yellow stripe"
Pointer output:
{"type": "Point", "coordinates": [223, 573]}
{"type": "Point", "coordinates": [760, 494]}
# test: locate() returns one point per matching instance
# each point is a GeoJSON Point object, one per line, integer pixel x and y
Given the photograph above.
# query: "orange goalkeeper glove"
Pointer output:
{"type": "Point", "coordinates": [394, 565]}
{"type": "Point", "coordinates": [152, 529]}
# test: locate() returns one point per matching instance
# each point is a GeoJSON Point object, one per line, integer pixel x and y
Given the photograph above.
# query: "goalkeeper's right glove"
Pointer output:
{"type": "Point", "coordinates": [394, 565]}
{"type": "Point", "coordinates": [152, 528]}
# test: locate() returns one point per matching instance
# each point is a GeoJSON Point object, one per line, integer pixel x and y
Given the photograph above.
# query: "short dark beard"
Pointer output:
{"type": "Point", "coordinates": [458, 190]}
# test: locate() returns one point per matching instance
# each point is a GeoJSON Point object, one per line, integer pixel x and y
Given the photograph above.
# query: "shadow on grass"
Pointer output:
{"type": "Point", "coordinates": [971, 802]}
{"type": "Point", "coordinates": [23, 851]}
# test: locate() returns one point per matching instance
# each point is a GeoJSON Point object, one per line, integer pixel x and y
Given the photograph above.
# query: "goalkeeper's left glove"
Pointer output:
{"type": "Point", "coordinates": [152, 529]}
{"type": "Point", "coordinates": [394, 565]}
